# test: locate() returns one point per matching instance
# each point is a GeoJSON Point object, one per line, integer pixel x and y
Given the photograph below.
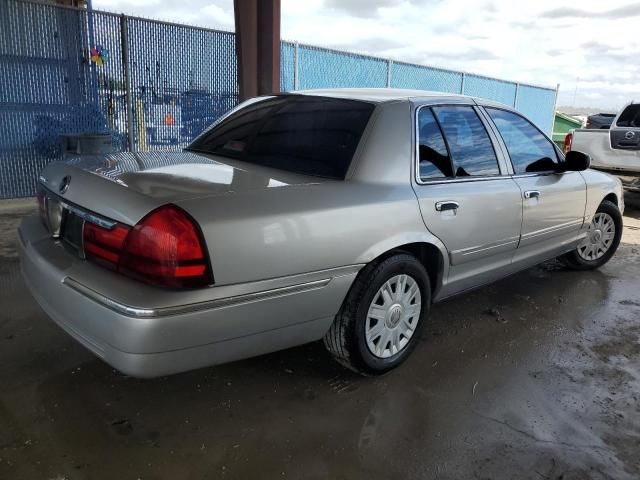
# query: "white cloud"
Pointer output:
{"type": "Point", "coordinates": [219, 15]}
{"type": "Point", "coordinates": [536, 42]}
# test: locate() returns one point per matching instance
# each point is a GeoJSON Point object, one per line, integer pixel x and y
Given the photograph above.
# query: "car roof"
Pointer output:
{"type": "Point", "coordinates": [377, 95]}
{"type": "Point", "coordinates": [381, 95]}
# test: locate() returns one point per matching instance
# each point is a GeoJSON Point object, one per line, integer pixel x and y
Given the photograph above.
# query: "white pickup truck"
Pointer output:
{"type": "Point", "coordinates": [616, 150]}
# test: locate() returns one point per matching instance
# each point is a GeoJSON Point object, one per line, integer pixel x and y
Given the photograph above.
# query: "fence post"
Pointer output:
{"type": "Point", "coordinates": [515, 97]}
{"type": "Point", "coordinates": [389, 65]}
{"type": "Point", "coordinates": [555, 105]}
{"type": "Point", "coordinates": [93, 72]}
{"type": "Point", "coordinates": [124, 43]}
{"type": "Point", "coordinates": [464, 75]}
{"type": "Point", "coordinates": [296, 73]}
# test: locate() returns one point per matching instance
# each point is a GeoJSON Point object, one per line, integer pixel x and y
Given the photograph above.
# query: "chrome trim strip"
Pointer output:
{"type": "Point", "coordinates": [89, 217]}
{"type": "Point", "coordinates": [552, 230]}
{"type": "Point", "coordinates": [463, 180]}
{"type": "Point", "coordinates": [80, 212]}
{"type": "Point", "coordinates": [468, 254]}
{"type": "Point", "coordinates": [484, 248]}
{"type": "Point", "coordinates": [137, 312]}
{"type": "Point", "coordinates": [538, 174]}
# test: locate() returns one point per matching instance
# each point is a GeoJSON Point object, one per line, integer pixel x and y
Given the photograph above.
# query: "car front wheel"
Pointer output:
{"type": "Point", "coordinates": [380, 321]}
{"type": "Point", "coordinates": [601, 242]}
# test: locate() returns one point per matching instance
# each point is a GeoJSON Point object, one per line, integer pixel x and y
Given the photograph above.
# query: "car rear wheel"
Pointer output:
{"type": "Point", "coordinates": [380, 321]}
{"type": "Point", "coordinates": [601, 242]}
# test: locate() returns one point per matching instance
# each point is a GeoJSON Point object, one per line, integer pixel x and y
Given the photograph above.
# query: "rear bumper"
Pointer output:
{"type": "Point", "coordinates": [630, 180]}
{"type": "Point", "coordinates": [147, 340]}
{"type": "Point", "coordinates": [621, 161]}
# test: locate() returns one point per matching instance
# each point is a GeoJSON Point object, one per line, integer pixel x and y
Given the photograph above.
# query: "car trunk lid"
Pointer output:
{"type": "Point", "coordinates": [126, 186]}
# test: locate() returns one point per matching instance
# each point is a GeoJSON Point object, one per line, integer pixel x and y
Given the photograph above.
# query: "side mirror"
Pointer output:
{"type": "Point", "coordinates": [575, 161]}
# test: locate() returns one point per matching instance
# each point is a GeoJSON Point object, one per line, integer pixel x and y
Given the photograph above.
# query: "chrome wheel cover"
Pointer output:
{"type": "Point", "coordinates": [393, 316]}
{"type": "Point", "coordinates": [599, 238]}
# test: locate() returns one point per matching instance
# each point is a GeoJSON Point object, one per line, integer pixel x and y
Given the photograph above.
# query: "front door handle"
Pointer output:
{"type": "Point", "coordinates": [447, 205]}
{"type": "Point", "coordinates": [532, 194]}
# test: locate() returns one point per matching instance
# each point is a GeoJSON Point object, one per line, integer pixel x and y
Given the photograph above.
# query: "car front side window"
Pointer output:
{"type": "Point", "coordinates": [469, 143]}
{"type": "Point", "coordinates": [529, 149]}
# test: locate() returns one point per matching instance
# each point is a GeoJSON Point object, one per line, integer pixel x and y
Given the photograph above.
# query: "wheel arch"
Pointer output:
{"type": "Point", "coordinates": [429, 251]}
{"type": "Point", "coordinates": [431, 258]}
{"type": "Point", "coordinates": [611, 197]}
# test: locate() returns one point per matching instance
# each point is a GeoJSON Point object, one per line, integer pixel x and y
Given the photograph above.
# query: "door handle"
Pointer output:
{"type": "Point", "coordinates": [447, 205]}
{"type": "Point", "coordinates": [532, 194]}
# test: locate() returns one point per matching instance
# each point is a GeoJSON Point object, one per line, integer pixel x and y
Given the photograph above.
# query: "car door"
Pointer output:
{"type": "Point", "coordinates": [553, 203]}
{"type": "Point", "coordinates": [466, 196]}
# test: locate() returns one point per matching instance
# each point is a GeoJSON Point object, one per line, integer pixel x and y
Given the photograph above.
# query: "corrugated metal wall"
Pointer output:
{"type": "Point", "coordinates": [180, 79]}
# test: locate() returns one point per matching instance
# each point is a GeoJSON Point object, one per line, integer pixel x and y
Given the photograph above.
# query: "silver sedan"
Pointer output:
{"type": "Point", "coordinates": [339, 215]}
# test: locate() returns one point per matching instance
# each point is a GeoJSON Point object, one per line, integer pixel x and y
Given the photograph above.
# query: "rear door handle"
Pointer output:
{"type": "Point", "coordinates": [447, 205]}
{"type": "Point", "coordinates": [532, 194]}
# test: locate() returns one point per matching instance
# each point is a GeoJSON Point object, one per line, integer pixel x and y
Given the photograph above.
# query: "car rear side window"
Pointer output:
{"type": "Point", "coordinates": [529, 149]}
{"type": "Point", "coordinates": [435, 161]}
{"type": "Point", "coordinates": [469, 143]}
{"type": "Point", "coordinates": [302, 134]}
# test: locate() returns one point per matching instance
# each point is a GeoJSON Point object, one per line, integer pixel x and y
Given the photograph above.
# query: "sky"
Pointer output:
{"type": "Point", "coordinates": [591, 49]}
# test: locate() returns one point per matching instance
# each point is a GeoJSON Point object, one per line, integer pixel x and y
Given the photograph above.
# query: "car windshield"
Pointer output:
{"type": "Point", "coordinates": [302, 134]}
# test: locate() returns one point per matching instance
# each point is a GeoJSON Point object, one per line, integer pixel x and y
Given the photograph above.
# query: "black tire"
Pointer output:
{"type": "Point", "coordinates": [346, 338]}
{"type": "Point", "coordinates": [573, 259]}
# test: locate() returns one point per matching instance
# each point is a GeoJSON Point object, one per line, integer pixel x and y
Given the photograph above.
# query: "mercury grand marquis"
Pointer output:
{"type": "Point", "coordinates": [339, 215]}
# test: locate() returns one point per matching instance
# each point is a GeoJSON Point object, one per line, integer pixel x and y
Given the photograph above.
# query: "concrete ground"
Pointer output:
{"type": "Point", "coordinates": [534, 377]}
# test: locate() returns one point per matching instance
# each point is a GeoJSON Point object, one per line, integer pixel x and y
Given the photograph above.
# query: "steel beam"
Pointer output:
{"type": "Point", "coordinates": [257, 46]}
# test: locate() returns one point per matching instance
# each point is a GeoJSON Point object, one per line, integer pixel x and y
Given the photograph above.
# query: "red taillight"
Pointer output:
{"type": "Point", "coordinates": [104, 245]}
{"type": "Point", "coordinates": [165, 248]}
{"type": "Point", "coordinates": [567, 143]}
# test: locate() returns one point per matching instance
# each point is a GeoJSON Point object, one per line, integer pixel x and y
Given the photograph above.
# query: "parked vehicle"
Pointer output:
{"type": "Point", "coordinates": [600, 121]}
{"type": "Point", "coordinates": [199, 109]}
{"type": "Point", "coordinates": [615, 150]}
{"type": "Point", "coordinates": [50, 131]}
{"type": "Point", "coordinates": [563, 124]}
{"type": "Point", "coordinates": [332, 214]}
{"type": "Point", "coordinates": [163, 116]}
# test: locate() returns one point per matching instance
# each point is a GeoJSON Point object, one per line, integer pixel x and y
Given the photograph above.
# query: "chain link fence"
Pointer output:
{"type": "Point", "coordinates": [153, 86]}
{"type": "Point", "coordinates": [306, 66]}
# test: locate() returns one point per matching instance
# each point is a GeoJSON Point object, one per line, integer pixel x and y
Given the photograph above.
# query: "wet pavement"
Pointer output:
{"type": "Point", "coordinates": [536, 376]}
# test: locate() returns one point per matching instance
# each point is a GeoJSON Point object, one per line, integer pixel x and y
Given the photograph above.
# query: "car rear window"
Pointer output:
{"type": "Point", "coordinates": [302, 134]}
{"type": "Point", "coordinates": [630, 117]}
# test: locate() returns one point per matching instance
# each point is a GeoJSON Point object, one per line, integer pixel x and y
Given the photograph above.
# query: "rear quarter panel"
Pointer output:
{"type": "Point", "coordinates": [289, 230]}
